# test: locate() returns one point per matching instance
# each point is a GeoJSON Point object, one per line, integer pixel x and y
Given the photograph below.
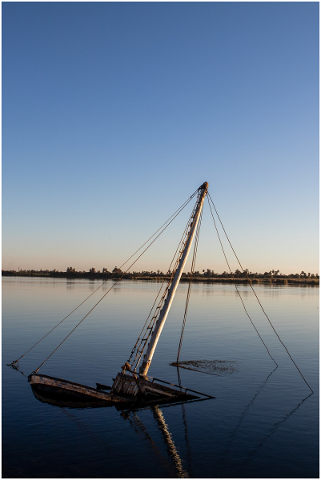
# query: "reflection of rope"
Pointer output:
{"type": "Point", "coordinates": [189, 453]}
{"type": "Point", "coordinates": [84, 428]}
{"type": "Point", "coordinates": [272, 430]}
{"type": "Point", "coordinates": [276, 426]}
{"type": "Point", "coordinates": [233, 434]}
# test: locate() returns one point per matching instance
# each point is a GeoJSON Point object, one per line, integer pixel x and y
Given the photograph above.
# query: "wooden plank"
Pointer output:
{"type": "Point", "coordinates": [64, 386]}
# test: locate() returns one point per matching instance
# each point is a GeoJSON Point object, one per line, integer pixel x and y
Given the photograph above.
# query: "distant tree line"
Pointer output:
{"type": "Point", "coordinates": [205, 275]}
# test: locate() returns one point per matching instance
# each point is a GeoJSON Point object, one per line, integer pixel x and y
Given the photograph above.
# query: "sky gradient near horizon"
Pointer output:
{"type": "Point", "coordinates": [115, 113]}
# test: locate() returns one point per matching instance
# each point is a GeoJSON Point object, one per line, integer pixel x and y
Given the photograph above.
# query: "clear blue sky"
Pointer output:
{"type": "Point", "coordinates": [114, 113]}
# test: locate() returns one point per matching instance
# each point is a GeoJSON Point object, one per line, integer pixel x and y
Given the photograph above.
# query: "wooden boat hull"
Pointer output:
{"type": "Point", "coordinates": [52, 398]}
{"type": "Point", "coordinates": [129, 392]}
{"type": "Point", "coordinates": [59, 390]}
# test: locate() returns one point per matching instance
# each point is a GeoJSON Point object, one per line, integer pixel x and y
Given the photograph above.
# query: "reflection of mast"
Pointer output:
{"type": "Point", "coordinates": [189, 455]}
{"type": "Point", "coordinates": [140, 428]}
{"type": "Point", "coordinates": [169, 442]}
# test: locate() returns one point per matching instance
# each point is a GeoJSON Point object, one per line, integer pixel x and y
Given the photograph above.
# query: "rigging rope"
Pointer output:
{"type": "Point", "coordinates": [189, 285]}
{"type": "Point", "coordinates": [170, 219]}
{"type": "Point", "coordinates": [147, 331]}
{"type": "Point", "coordinates": [163, 227]}
{"type": "Point", "coordinates": [137, 347]}
{"type": "Point", "coordinates": [238, 292]}
{"type": "Point", "coordinates": [209, 198]}
{"type": "Point", "coordinates": [16, 361]}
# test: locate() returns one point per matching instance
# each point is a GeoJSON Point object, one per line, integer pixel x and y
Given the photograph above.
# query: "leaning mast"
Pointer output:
{"type": "Point", "coordinates": [147, 358]}
{"type": "Point", "coordinates": [129, 385]}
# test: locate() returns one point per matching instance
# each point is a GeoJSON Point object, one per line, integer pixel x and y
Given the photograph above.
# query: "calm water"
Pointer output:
{"type": "Point", "coordinates": [259, 425]}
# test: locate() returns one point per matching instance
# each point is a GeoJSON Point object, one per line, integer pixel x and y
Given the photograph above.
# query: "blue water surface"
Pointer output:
{"type": "Point", "coordinates": [263, 422]}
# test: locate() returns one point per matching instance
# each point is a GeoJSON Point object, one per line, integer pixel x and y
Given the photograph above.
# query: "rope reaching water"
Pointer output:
{"type": "Point", "coordinates": [189, 285]}
{"type": "Point", "coordinates": [141, 342]}
{"type": "Point", "coordinates": [161, 229]}
{"type": "Point", "coordinates": [147, 330]}
{"type": "Point", "coordinates": [238, 292]}
{"type": "Point", "coordinates": [251, 285]}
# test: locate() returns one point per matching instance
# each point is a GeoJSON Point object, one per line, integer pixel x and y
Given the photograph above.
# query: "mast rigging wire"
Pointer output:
{"type": "Point", "coordinates": [137, 347]}
{"type": "Point", "coordinates": [165, 225]}
{"type": "Point", "coordinates": [79, 323]}
{"type": "Point", "coordinates": [238, 292]}
{"type": "Point", "coordinates": [148, 330]}
{"type": "Point", "coordinates": [189, 285]}
{"type": "Point", "coordinates": [209, 198]}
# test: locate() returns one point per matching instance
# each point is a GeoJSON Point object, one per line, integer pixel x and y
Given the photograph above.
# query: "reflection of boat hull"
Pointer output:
{"type": "Point", "coordinates": [57, 391]}
{"type": "Point", "coordinates": [65, 400]}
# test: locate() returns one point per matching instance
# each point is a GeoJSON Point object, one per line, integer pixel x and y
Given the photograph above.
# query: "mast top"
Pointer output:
{"type": "Point", "coordinates": [204, 186]}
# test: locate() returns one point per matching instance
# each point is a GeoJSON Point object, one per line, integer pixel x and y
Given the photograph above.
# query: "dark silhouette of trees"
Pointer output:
{"type": "Point", "coordinates": [273, 276]}
{"type": "Point", "coordinates": [117, 271]}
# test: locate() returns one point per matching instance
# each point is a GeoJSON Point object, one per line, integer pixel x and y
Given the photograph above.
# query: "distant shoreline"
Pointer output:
{"type": "Point", "coordinates": [275, 280]}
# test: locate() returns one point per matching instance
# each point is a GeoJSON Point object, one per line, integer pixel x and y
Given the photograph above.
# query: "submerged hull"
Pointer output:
{"type": "Point", "coordinates": [64, 393]}
{"type": "Point", "coordinates": [48, 388]}
{"type": "Point", "coordinates": [138, 386]}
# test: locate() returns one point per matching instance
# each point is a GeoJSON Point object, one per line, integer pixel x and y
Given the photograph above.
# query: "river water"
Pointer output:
{"type": "Point", "coordinates": [263, 422]}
